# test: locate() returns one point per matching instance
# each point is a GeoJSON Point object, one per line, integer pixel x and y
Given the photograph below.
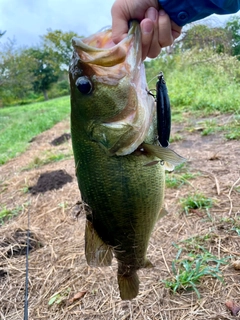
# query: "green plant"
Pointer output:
{"type": "Point", "coordinates": [188, 271]}
{"type": "Point", "coordinates": [196, 80]}
{"type": "Point", "coordinates": [176, 137]}
{"type": "Point", "coordinates": [59, 297]}
{"type": "Point", "coordinates": [234, 134]}
{"type": "Point", "coordinates": [48, 158]}
{"type": "Point", "coordinates": [237, 189]}
{"type": "Point", "coordinates": [7, 214]}
{"type": "Point", "coordinates": [196, 201]}
{"type": "Point", "coordinates": [176, 180]}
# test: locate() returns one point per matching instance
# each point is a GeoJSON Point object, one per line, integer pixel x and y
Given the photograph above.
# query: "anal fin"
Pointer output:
{"type": "Point", "coordinates": [128, 286]}
{"type": "Point", "coordinates": [98, 253]}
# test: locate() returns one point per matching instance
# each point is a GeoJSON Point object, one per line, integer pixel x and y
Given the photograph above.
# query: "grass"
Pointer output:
{"type": "Point", "coordinates": [231, 129]}
{"type": "Point", "coordinates": [177, 137]}
{"type": "Point", "coordinates": [7, 214]}
{"type": "Point", "coordinates": [176, 180]}
{"type": "Point", "coordinates": [59, 297]}
{"type": "Point", "coordinates": [230, 224]}
{"type": "Point", "coordinates": [48, 158]}
{"type": "Point", "coordinates": [196, 201]}
{"type": "Point", "coordinates": [18, 125]}
{"type": "Point", "coordinates": [190, 269]}
{"type": "Point", "coordinates": [196, 86]}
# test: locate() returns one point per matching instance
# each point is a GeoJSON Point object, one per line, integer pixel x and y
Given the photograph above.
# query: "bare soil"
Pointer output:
{"type": "Point", "coordinates": [61, 284]}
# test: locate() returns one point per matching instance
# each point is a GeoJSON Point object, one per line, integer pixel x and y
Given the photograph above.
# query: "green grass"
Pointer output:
{"type": "Point", "coordinates": [231, 129]}
{"type": "Point", "coordinates": [48, 158]}
{"type": "Point", "coordinates": [18, 125]}
{"type": "Point", "coordinates": [7, 214]}
{"type": "Point", "coordinates": [199, 82]}
{"type": "Point", "coordinates": [190, 269]}
{"type": "Point", "coordinates": [196, 201]}
{"type": "Point", "coordinates": [59, 297]}
{"type": "Point", "coordinates": [176, 180]}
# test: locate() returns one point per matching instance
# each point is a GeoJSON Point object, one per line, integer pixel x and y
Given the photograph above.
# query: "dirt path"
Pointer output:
{"type": "Point", "coordinates": [57, 262]}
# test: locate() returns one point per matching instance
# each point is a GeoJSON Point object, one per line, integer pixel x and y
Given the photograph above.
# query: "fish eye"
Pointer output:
{"type": "Point", "coordinates": [84, 85]}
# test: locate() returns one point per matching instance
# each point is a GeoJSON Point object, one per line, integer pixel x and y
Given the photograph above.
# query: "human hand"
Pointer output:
{"type": "Point", "coordinates": [157, 29]}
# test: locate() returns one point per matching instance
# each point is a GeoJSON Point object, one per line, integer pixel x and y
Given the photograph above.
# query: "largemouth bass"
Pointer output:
{"type": "Point", "coordinates": [119, 163]}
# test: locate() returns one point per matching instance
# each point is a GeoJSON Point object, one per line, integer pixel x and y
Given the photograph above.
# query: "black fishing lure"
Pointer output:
{"type": "Point", "coordinates": [163, 112]}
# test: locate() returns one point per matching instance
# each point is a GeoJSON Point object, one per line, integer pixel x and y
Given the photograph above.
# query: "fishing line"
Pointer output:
{"type": "Point", "coordinates": [155, 77]}
{"type": "Point", "coordinates": [150, 90]}
{"type": "Point", "coordinates": [26, 278]}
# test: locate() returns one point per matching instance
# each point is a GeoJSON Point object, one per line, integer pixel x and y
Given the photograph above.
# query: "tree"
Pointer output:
{"type": "Point", "coordinates": [45, 69]}
{"type": "Point", "coordinates": [15, 75]}
{"type": "Point", "coordinates": [61, 45]}
{"type": "Point", "coordinates": [201, 36]}
{"type": "Point", "coordinates": [2, 33]}
{"type": "Point", "coordinates": [233, 26]}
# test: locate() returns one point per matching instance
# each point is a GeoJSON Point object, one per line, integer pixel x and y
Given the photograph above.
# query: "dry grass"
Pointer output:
{"type": "Point", "coordinates": [57, 263]}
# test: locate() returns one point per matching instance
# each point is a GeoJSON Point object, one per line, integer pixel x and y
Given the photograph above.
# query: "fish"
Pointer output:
{"type": "Point", "coordinates": [120, 166]}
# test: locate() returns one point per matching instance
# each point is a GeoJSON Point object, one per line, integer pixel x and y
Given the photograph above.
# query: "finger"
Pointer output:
{"type": "Point", "coordinates": [176, 30]}
{"type": "Point", "coordinates": [120, 18]}
{"type": "Point", "coordinates": [147, 27]}
{"type": "Point", "coordinates": [154, 47]}
{"type": "Point", "coordinates": [165, 37]}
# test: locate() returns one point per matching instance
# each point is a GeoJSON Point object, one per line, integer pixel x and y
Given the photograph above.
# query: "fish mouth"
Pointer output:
{"type": "Point", "coordinates": [100, 50]}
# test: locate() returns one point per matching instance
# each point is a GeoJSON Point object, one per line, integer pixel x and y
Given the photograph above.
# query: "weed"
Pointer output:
{"type": "Point", "coordinates": [237, 189]}
{"type": "Point", "coordinates": [196, 243]}
{"type": "Point", "coordinates": [176, 138]}
{"type": "Point", "coordinates": [208, 127]}
{"type": "Point", "coordinates": [188, 271]}
{"type": "Point", "coordinates": [236, 229]}
{"type": "Point", "coordinates": [49, 158]}
{"type": "Point", "coordinates": [7, 214]}
{"type": "Point", "coordinates": [230, 224]}
{"type": "Point", "coordinates": [233, 135]}
{"type": "Point", "coordinates": [175, 180]}
{"type": "Point", "coordinates": [59, 297]}
{"type": "Point", "coordinates": [207, 131]}
{"type": "Point", "coordinates": [196, 201]}
{"type": "Point", "coordinates": [180, 167]}
{"type": "Point", "coordinates": [233, 129]}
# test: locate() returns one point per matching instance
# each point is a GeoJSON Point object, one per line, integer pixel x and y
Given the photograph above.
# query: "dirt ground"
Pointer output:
{"type": "Point", "coordinates": [61, 284]}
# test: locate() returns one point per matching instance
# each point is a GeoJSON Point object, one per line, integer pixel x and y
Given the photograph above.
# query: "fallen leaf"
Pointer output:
{"type": "Point", "coordinates": [236, 265]}
{"type": "Point", "coordinates": [214, 157]}
{"type": "Point", "coordinates": [233, 307]}
{"type": "Point", "coordinates": [77, 296]}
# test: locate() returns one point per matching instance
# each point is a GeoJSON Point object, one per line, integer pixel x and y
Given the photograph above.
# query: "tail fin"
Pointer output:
{"type": "Point", "coordinates": [128, 286]}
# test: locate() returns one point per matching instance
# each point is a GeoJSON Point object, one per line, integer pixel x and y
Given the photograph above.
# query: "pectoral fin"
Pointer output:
{"type": "Point", "coordinates": [97, 253]}
{"type": "Point", "coordinates": [165, 154]}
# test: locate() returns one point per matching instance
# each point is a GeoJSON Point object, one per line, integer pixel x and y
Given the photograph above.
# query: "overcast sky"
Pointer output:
{"type": "Point", "coordinates": [26, 20]}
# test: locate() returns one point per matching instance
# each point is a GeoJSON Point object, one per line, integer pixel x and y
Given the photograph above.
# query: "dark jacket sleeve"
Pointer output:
{"type": "Point", "coordinates": [185, 11]}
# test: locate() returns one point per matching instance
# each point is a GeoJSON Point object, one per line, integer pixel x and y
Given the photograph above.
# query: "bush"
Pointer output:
{"type": "Point", "coordinates": [199, 80]}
